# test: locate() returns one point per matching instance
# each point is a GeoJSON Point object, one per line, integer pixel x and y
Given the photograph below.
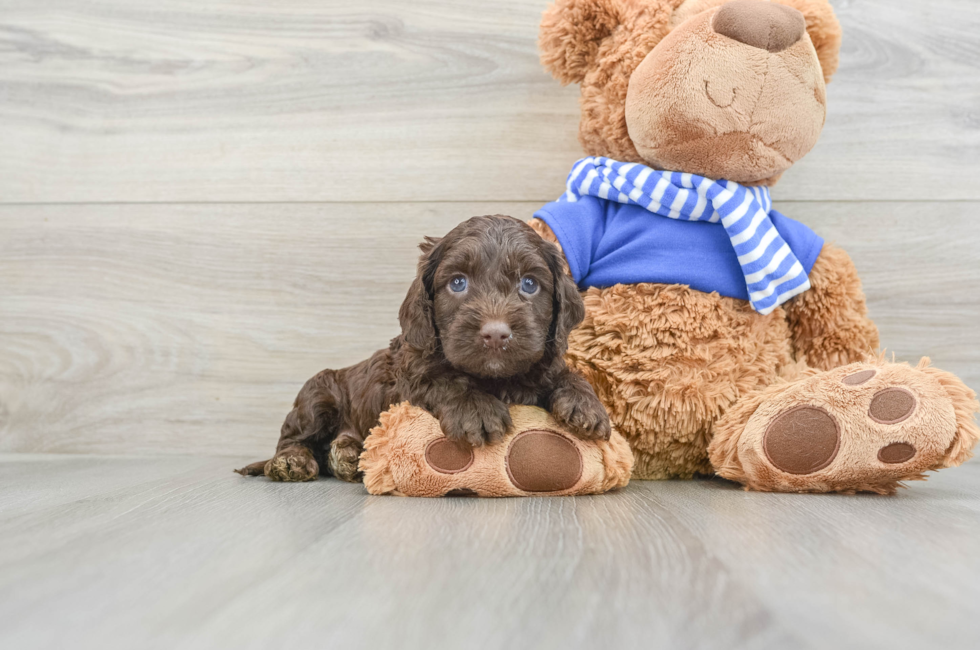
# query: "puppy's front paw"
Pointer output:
{"type": "Point", "coordinates": [582, 412]}
{"type": "Point", "coordinates": [476, 420]}
{"type": "Point", "coordinates": [292, 465]}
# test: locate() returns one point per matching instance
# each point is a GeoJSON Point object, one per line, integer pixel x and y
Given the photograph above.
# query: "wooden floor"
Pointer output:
{"type": "Point", "coordinates": [103, 552]}
{"type": "Point", "coordinates": [204, 203]}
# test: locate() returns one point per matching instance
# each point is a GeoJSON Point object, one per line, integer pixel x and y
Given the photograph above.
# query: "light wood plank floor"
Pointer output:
{"type": "Point", "coordinates": [175, 552]}
{"type": "Point", "coordinates": [204, 203]}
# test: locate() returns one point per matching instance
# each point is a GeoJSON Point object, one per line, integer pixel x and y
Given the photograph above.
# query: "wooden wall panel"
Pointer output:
{"type": "Point", "coordinates": [184, 328]}
{"type": "Point", "coordinates": [180, 100]}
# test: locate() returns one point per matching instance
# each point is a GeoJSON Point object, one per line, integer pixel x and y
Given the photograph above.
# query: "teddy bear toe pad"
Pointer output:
{"type": "Point", "coordinates": [856, 428]}
{"type": "Point", "coordinates": [891, 406]}
{"type": "Point", "coordinates": [897, 452]}
{"type": "Point", "coordinates": [858, 378]}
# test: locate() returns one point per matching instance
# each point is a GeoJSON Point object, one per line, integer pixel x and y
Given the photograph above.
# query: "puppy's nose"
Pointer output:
{"type": "Point", "coordinates": [496, 334]}
{"type": "Point", "coordinates": [766, 25]}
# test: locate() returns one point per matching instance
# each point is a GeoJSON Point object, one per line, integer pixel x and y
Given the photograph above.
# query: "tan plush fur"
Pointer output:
{"type": "Point", "coordinates": [679, 370]}
{"type": "Point", "coordinates": [830, 324]}
{"type": "Point", "coordinates": [821, 26]}
{"type": "Point", "coordinates": [709, 105]}
{"type": "Point", "coordinates": [393, 461]}
{"type": "Point", "coordinates": [668, 361]}
{"type": "Point", "coordinates": [600, 43]}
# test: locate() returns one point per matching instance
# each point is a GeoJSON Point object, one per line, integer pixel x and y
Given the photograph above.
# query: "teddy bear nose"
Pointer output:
{"type": "Point", "coordinates": [765, 25]}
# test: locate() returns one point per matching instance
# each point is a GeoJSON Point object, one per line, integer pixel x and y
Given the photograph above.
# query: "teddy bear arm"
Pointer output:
{"type": "Point", "coordinates": [829, 323]}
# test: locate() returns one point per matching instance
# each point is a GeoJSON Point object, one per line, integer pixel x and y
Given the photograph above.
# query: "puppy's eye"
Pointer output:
{"type": "Point", "coordinates": [458, 284]}
{"type": "Point", "coordinates": [529, 285]}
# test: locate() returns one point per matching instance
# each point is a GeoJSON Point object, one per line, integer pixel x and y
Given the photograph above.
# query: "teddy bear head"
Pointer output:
{"type": "Point", "coordinates": [729, 90]}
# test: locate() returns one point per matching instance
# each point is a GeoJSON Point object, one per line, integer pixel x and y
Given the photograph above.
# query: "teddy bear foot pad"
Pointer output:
{"type": "Point", "coordinates": [861, 427]}
{"type": "Point", "coordinates": [408, 455]}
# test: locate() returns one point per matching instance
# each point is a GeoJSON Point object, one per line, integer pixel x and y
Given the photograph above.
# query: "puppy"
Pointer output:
{"type": "Point", "coordinates": [485, 324]}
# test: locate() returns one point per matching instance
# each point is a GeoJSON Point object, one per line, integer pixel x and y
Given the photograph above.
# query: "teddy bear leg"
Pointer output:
{"type": "Point", "coordinates": [864, 427]}
{"type": "Point", "coordinates": [683, 463]}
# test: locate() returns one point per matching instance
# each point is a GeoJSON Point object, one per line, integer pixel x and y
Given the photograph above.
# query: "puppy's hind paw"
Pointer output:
{"type": "Point", "coordinates": [293, 465]}
{"type": "Point", "coordinates": [345, 453]}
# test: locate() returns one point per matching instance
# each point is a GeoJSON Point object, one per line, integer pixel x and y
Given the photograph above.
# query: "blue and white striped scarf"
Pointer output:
{"type": "Point", "coordinates": [772, 272]}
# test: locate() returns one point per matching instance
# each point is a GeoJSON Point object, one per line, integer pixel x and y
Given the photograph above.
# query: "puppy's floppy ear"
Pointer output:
{"type": "Point", "coordinates": [428, 244]}
{"type": "Point", "coordinates": [417, 313]}
{"type": "Point", "coordinates": [568, 309]}
{"type": "Point", "coordinates": [571, 32]}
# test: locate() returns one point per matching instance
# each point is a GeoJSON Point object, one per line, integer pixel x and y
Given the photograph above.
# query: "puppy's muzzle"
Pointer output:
{"type": "Point", "coordinates": [496, 335]}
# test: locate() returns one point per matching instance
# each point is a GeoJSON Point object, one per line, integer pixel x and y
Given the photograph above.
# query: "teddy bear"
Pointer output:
{"type": "Point", "coordinates": [722, 336]}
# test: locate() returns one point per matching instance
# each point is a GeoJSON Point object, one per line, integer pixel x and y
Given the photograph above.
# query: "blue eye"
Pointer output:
{"type": "Point", "coordinates": [457, 284]}
{"type": "Point", "coordinates": [529, 285]}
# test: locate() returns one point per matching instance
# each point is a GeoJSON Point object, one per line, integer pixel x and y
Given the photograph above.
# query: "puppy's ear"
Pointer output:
{"type": "Point", "coordinates": [568, 309]}
{"type": "Point", "coordinates": [417, 313]}
{"type": "Point", "coordinates": [428, 244]}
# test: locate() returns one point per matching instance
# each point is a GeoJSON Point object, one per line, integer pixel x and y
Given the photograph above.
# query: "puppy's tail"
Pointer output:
{"type": "Point", "coordinates": [255, 469]}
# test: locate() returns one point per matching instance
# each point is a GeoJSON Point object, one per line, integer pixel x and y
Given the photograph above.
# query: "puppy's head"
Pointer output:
{"type": "Point", "coordinates": [492, 295]}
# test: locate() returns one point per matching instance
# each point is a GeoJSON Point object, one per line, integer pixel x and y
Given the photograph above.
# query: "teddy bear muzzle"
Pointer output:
{"type": "Point", "coordinates": [765, 25]}
{"type": "Point", "coordinates": [733, 92]}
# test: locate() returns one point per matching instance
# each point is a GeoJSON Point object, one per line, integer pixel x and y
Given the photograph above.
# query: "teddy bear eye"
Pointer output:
{"type": "Point", "coordinates": [458, 284]}
{"type": "Point", "coordinates": [529, 285]}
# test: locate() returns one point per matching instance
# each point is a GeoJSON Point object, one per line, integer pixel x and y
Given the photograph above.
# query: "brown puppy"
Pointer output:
{"type": "Point", "coordinates": [485, 324]}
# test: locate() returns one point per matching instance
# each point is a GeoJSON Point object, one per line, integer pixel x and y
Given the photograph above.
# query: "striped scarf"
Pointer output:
{"type": "Point", "coordinates": [772, 272]}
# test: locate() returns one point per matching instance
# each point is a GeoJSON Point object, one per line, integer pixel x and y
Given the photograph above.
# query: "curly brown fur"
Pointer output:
{"type": "Point", "coordinates": [444, 362]}
{"type": "Point", "coordinates": [345, 452]}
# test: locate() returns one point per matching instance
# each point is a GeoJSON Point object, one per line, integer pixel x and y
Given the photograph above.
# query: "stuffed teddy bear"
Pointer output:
{"type": "Point", "coordinates": [407, 454]}
{"type": "Point", "coordinates": [722, 336]}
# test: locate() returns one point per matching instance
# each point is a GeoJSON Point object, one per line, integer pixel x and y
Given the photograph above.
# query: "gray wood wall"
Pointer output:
{"type": "Point", "coordinates": [202, 203]}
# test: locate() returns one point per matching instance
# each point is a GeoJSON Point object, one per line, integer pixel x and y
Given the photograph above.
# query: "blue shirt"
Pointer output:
{"type": "Point", "coordinates": [607, 243]}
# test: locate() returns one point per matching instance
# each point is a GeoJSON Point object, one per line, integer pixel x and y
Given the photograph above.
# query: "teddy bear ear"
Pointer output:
{"type": "Point", "coordinates": [824, 31]}
{"type": "Point", "coordinates": [571, 33]}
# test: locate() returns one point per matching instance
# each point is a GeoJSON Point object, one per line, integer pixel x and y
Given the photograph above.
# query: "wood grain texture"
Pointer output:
{"type": "Point", "coordinates": [179, 100]}
{"type": "Point", "coordinates": [166, 328]}
{"type": "Point", "coordinates": [257, 177]}
{"type": "Point", "coordinates": [178, 552]}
